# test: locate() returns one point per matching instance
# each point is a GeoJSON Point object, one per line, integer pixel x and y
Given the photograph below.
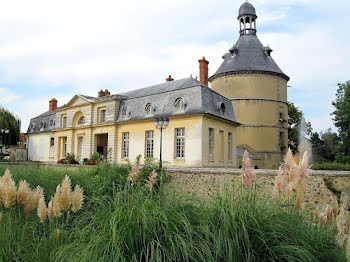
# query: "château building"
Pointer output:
{"type": "Point", "coordinates": [244, 108]}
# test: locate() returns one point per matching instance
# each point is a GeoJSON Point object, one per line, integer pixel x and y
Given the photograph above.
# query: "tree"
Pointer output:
{"type": "Point", "coordinates": [325, 146]}
{"type": "Point", "coordinates": [295, 117]}
{"type": "Point", "coordinates": [13, 124]}
{"type": "Point", "coordinates": [342, 116]}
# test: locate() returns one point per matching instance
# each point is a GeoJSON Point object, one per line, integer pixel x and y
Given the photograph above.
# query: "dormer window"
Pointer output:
{"type": "Point", "coordinates": [150, 109]}
{"type": "Point", "coordinates": [42, 125]}
{"type": "Point", "coordinates": [180, 104]}
{"type": "Point", "coordinates": [52, 122]}
{"type": "Point", "coordinates": [126, 112]}
{"type": "Point", "coordinates": [221, 107]}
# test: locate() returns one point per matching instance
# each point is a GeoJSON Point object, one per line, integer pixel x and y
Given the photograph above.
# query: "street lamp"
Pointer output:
{"type": "Point", "coordinates": [161, 123]}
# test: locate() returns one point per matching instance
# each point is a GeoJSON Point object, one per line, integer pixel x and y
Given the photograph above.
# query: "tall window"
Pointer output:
{"type": "Point", "coordinates": [211, 143]}
{"type": "Point", "coordinates": [149, 143]}
{"type": "Point", "coordinates": [221, 144]}
{"type": "Point", "coordinates": [180, 142]}
{"type": "Point", "coordinates": [281, 139]}
{"type": "Point", "coordinates": [64, 121]}
{"type": "Point", "coordinates": [103, 116]}
{"type": "Point", "coordinates": [125, 145]}
{"type": "Point", "coordinates": [52, 141]}
{"type": "Point", "coordinates": [64, 146]}
{"type": "Point", "coordinates": [229, 146]}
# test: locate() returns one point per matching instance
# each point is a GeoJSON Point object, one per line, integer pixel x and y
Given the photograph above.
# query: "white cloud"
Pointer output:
{"type": "Point", "coordinates": [6, 96]}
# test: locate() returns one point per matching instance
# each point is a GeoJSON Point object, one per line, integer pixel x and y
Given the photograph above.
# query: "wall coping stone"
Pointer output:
{"type": "Point", "coordinates": [263, 172]}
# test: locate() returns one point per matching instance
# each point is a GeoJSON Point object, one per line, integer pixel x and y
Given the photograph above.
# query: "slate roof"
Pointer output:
{"type": "Point", "coordinates": [248, 54]}
{"type": "Point", "coordinates": [246, 9]}
{"type": "Point", "coordinates": [43, 122]}
{"type": "Point", "coordinates": [199, 100]}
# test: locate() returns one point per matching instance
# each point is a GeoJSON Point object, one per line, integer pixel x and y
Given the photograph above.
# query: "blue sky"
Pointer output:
{"type": "Point", "coordinates": [61, 48]}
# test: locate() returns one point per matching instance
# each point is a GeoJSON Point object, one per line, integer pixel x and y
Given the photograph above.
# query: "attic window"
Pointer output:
{"type": "Point", "coordinates": [221, 107]}
{"type": "Point", "coordinates": [52, 122]}
{"type": "Point", "coordinates": [150, 108]}
{"type": "Point", "coordinates": [180, 104]}
{"type": "Point", "coordinates": [32, 127]}
{"type": "Point", "coordinates": [126, 112]}
{"type": "Point", "coordinates": [42, 125]}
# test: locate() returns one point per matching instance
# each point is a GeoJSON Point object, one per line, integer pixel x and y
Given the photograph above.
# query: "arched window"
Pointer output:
{"type": "Point", "coordinates": [126, 112]}
{"type": "Point", "coordinates": [180, 104]}
{"type": "Point", "coordinates": [81, 120]}
{"type": "Point", "coordinates": [42, 125]}
{"type": "Point", "coordinates": [221, 107]}
{"type": "Point", "coordinates": [150, 108]}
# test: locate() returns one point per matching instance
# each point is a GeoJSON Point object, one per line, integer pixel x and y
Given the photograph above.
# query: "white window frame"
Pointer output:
{"type": "Point", "coordinates": [180, 143]}
{"type": "Point", "coordinates": [149, 148]}
{"type": "Point", "coordinates": [229, 146]}
{"type": "Point", "coordinates": [125, 144]}
{"type": "Point", "coordinates": [211, 143]}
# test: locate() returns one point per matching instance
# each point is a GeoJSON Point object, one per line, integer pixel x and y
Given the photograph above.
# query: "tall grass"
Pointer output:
{"type": "Point", "coordinates": [124, 222]}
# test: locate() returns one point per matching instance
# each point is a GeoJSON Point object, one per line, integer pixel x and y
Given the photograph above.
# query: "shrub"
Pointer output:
{"type": "Point", "coordinates": [331, 166]}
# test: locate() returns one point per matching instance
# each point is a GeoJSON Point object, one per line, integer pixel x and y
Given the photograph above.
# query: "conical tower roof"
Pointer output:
{"type": "Point", "coordinates": [248, 55]}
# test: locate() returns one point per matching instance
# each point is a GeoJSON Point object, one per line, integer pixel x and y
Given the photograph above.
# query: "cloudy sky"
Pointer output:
{"type": "Point", "coordinates": [61, 48]}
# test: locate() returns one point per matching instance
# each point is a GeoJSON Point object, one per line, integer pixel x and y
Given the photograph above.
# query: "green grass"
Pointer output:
{"type": "Point", "coordinates": [120, 223]}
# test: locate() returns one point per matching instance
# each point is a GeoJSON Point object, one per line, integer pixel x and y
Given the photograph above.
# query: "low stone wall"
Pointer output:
{"type": "Point", "coordinates": [324, 187]}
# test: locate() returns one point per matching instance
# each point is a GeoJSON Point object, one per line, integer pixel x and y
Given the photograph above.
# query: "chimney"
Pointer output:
{"type": "Point", "coordinates": [101, 93]}
{"type": "Point", "coordinates": [52, 104]}
{"type": "Point", "coordinates": [107, 93]}
{"type": "Point", "coordinates": [169, 79]}
{"type": "Point", "coordinates": [203, 71]}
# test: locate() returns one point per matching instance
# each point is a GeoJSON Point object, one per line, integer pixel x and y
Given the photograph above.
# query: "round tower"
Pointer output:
{"type": "Point", "coordinates": [257, 88]}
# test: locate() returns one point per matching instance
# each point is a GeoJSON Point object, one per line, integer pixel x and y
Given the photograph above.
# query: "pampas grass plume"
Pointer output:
{"type": "Point", "coordinates": [38, 193]}
{"type": "Point", "coordinates": [134, 174]}
{"type": "Point", "coordinates": [29, 204]}
{"type": "Point", "coordinates": [66, 193]}
{"type": "Point", "coordinates": [152, 180]}
{"type": "Point", "coordinates": [57, 203]}
{"type": "Point", "coordinates": [329, 213]}
{"type": "Point", "coordinates": [77, 198]}
{"type": "Point", "coordinates": [11, 194]}
{"type": "Point", "coordinates": [42, 210]}
{"type": "Point", "coordinates": [248, 176]}
{"type": "Point", "coordinates": [50, 210]}
{"type": "Point", "coordinates": [22, 192]}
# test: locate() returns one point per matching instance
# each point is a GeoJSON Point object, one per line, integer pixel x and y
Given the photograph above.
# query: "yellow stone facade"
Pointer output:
{"type": "Point", "coordinates": [260, 104]}
{"type": "Point", "coordinates": [81, 139]}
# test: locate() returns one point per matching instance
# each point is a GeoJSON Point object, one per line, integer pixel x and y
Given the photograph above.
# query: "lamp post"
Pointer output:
{"type": "Point", "coordinates": [3, 141]}
{"type": "Point", "coordinates": [161, 123]}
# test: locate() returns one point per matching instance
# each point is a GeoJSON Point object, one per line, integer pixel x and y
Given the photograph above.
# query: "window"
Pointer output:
{"type": "Point", "coordinates": [229, 146]}
{"type": "Point", "coordinates": [64, 121]}
{"type": "Point", "coordinates": [180, 143]}
{"type": "Point", "coordinates": [149, 143]}
{"type": "Point", "coordinates": [281, 139]}
{"type": "Point", "coordinates": [103, 115]}
{"type": "Point", "coordinates": [211, 143]}
{"type": "Point", "coordinates": [125, 150]}
{"type": "Point", "coordinates": [64, 146]}
{"type": "Point", "coordinates": [180, 104]}
{"type": "Point", "coordinates": [81, 120]}
{"type": "Point", "coordinates": [150, 108]}
{"type": "Point", "coordinates": [125, 112]}
{"type": "Point", "coordinates": [221, 145]}
{"type": "Point", "coordinates": [52, 141]}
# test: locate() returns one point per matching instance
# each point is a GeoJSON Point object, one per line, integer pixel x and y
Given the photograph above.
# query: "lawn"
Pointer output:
{"type": "Point", "coordinates": [127, 215]}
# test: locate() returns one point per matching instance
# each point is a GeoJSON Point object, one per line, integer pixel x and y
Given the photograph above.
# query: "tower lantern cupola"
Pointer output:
{"type": "Point", "coordinates": [247, 19]}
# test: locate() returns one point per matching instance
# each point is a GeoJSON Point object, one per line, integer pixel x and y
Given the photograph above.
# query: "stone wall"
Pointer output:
{"type": "Point", "coordinates": [324, 187]}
